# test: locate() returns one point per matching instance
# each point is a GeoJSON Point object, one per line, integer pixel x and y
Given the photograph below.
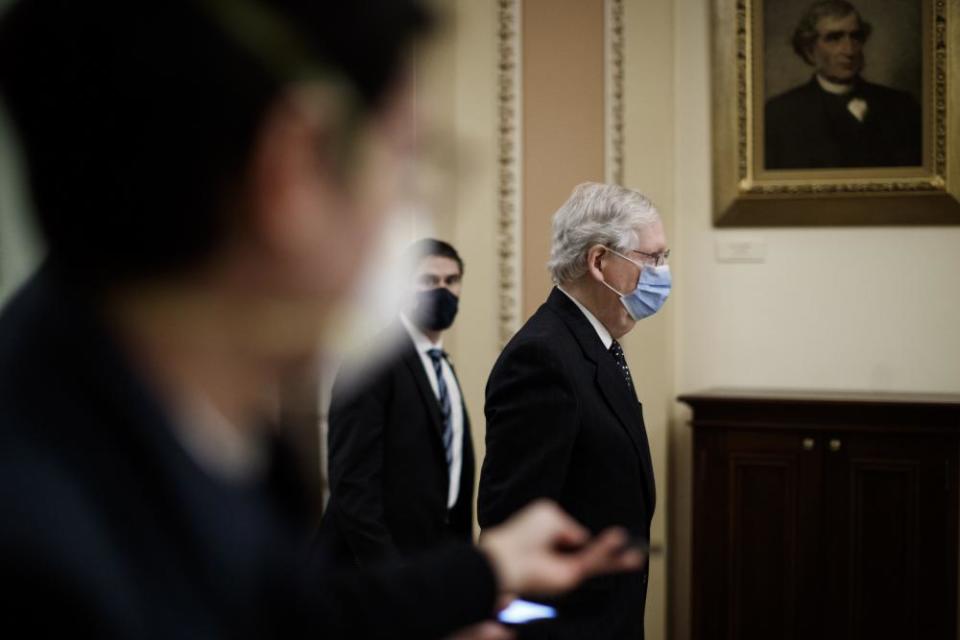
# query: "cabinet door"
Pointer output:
{"type": "Point", "coordinates": [890, 536]}
{"type": "Point", "coordinates": [758, 511]}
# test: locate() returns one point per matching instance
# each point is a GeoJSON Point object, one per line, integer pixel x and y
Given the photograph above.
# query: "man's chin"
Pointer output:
{"type": "Point", "coordinates": [846, 77]}
{"type": "Point", "coordinates": [626, 326]}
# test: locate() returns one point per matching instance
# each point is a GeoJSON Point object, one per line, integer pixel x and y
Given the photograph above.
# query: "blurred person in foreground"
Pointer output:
{"type": "Point", "coordinates": [209, 178]}
{"type": "Point", "coordinates": [401, 458]}
{"type": "Point", "coordinates": [563, 420]}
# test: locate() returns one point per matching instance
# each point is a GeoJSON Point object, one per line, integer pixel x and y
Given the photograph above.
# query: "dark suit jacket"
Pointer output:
{"type": "Point", "coordinates": [808, 128]}
{"type": "Point", "coordinates": [110, 530]}
{"type": "Point", "coordinates": [563, 424]}
{"type": "Point", "coordinates": [388, 472]}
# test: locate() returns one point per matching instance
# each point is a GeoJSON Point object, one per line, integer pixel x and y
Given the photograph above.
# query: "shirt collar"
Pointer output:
{"type": "Point", "coordinates": [420, 341]}
{"type": "Point", "coordinates": [835, 88]}
{"type": "Point", "coordinates": [601, 330]}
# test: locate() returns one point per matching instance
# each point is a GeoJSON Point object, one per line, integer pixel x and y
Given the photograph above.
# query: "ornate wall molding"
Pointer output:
{"type": "Point", "coordinates": [509, 155]}
{"type": "Point", "coordinates": [614, 72]}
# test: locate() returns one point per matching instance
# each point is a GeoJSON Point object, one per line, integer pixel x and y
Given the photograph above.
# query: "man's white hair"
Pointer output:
{"type": "Point", "coordinates": [596, 213]}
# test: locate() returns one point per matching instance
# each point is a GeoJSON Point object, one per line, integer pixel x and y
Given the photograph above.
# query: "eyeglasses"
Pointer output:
{"type": "Point", "coordinates": [659, 259]}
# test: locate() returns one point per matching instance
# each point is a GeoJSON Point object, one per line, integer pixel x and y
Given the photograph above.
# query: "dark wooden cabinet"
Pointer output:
{"type": "Point", "coordinates": [824, 515]}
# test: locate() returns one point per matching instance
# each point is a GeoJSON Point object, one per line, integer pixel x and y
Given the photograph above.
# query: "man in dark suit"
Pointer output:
{"type": "Point", "coordinates": [563, 420]}
{"type": "Point", "coordinates": [207, 200]}
{"type": "Point", "coordinates": [838, 119]}
{"type": "Point", "coordinates": [401, 459]}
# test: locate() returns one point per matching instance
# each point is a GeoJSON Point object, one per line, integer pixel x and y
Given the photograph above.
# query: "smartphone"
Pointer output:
{"type": "Point", "coordinates": [524, 611]}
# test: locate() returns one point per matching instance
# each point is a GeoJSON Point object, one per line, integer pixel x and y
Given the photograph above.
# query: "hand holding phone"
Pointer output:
{"type": "Point", "coordinates": [543, 550]}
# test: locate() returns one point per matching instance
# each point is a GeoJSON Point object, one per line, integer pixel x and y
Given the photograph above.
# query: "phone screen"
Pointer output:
{"type": "Point", "coordinates": [524, 611]}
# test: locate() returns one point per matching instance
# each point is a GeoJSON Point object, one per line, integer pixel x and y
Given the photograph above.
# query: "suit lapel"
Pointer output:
{"type": "Point", "coordinates": [625, 405]}
{"type": "Point", "coordinates": [609, 379]}
{"type": "Point", "coordinates": [413, 362]}
{"type": "Point", "coordinates": [624, 402]}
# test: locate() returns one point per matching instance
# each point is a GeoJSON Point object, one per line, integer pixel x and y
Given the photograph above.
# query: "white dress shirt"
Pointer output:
{"type": "Point", "coordinates": [423, 344]}
{"type": "Point", "coordinates": [858, 107]}
{"type": "Point", "coordinates": [601, 330]}
{"type": "Point", "coordinates": [835, 88]}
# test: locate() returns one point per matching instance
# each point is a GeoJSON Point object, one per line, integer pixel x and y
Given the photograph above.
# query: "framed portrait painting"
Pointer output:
{"type": "Point", "coordinates": [836, 112]}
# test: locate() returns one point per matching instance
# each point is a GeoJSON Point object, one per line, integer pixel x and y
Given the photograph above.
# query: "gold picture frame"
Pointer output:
{"type": "Point", "coordinates": [747, 194]}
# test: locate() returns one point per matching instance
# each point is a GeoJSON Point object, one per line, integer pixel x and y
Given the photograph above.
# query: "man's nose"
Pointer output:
{"type": "Point", "coordinates": [850, 46]}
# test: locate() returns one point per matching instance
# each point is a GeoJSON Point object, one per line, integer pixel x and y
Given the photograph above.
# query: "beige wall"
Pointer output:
{"type": "Point", "coordinates": [562, 127]}
{"type": "Point", "coordinates": [456, 87]}
{"type": "Point", "coordinates": [649, 167]}
{"type": "Point", "coordinates": [475, 340]}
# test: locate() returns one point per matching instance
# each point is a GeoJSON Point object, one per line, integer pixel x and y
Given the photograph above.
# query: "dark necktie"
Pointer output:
{"type": "Point", "coordinates": [617, 352]}
{"type": "Point", "coordinates": [437, 356]}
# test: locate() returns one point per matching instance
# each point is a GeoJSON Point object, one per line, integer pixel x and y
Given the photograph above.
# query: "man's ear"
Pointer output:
{"type": "Point", "coordinates": [596, 259]}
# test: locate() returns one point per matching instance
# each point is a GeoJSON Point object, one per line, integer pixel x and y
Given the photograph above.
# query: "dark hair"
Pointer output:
{"type": "Point", "coordinates": [136, 119]}
{"type": "Point", "coordinates": [427, 247]}
{"type": "Point", "coordinates": [806, 32]}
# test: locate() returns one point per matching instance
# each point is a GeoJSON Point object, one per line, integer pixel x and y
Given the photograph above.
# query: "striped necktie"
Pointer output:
{"type": "Point", "coordinates": [437, 356]}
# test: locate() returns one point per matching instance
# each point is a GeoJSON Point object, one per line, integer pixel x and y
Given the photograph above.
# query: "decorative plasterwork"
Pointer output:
{"type": "Point", "coordinates": [508, 179]}
{"type": "Point", "coordinates": [614, 70]}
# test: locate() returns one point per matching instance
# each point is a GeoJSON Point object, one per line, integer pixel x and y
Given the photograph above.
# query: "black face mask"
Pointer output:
{"type": "Point", "coordinates": [436, 309]}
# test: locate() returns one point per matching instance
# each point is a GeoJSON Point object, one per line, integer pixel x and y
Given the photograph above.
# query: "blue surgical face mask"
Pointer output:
{"type": "Point", "coordinates": [653, 287]}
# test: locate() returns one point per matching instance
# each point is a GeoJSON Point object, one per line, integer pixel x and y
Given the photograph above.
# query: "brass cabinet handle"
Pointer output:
{"type": "Point", "coordinates": [835, 445]}
{"type": "Point", "coordinates": [808, 444]}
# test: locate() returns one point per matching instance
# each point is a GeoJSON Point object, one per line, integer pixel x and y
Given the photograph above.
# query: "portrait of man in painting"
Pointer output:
{"type": "Point", "coordinates": [842, 84]}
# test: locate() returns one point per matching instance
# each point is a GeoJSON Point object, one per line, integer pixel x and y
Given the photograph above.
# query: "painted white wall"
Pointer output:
{"type": "Point", "coordinates": [867, 309]}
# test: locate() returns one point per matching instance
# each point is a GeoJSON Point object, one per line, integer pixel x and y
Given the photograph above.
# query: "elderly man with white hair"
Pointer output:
{"type": "Point", "coordinates": [563, 419]}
